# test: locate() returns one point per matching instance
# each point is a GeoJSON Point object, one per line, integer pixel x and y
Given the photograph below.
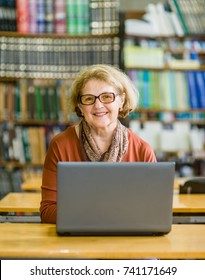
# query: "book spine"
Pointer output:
{"type": "Point", "coordinates": [200, 84]}
{"type": "Point", "coordinates": [71, 17]}
{"type": "Point", "coordinates": [181, 17]}
{"type": "Point", "coordinates": [60, 16]}
{"type": "Point", "coordinates": [41, 16]}
{"type": "Point", "coordinates": [49, 16]}
{"type": "Point", "coordinates": [10, 14]}
{"type": "Point", "coordinates": [33, 16]}
{"type": "Point", "coordinates": [26, 144]}
{"type": "Point", "coordinates": [96, 16]}
{"type": "Point", "coordinates": [192, 89]}
{"type": "Point", "coordinates": [2, 97]}
{"type": "Point", "coordinates": [39, 102]}
{"type": "Point", "coordinates": [81, 13]}
{"type": "Point", "coordinates": [22, 15]}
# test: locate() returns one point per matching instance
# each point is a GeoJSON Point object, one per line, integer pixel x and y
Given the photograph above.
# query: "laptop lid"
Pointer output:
{"type": "Point", "coordinates": [103, 198]}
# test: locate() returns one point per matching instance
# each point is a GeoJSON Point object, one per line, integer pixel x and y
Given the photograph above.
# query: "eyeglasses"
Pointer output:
{"type": "Point", "coordinates": [105, 98]}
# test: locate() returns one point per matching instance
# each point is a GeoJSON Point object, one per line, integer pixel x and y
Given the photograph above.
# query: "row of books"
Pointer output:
{"type": "Point", "coordinates": [37, 100]}
{"type": "Point", "coordinates": [53, 57]}
{"type": "Point", "coordinates": [195, 117]}
{"type": "Point", "coordinates": [158, 57]}
{"type": "Point", "coordinates": [190, 14]}
{"type": "Point", "coordinates": [25, 144]}
{"type": "Point", "coordinates": [28, 144]}
{"type": "Point", "coordinates": [175, 90]}
{"type": "Point", "coordinates": [175, 137]}
{"type": "Point", "coordinates": [169, 18]}
{"type": "Point", "coordinates": [60, 16]}
{"type": "Point", "coordinates": [186, 46]}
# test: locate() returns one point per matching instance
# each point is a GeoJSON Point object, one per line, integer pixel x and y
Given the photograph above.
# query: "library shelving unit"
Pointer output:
{"type": "Point", "coordinates": [37, 67]}
{"type": "Point", "coordinates": [169, 72]}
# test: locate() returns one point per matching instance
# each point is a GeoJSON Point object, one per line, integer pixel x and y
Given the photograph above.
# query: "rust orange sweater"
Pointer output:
{"type": "Point", "coordinates": [66, 147]}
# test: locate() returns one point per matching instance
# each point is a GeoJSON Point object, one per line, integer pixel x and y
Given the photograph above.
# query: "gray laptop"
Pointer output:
{"type": "Point", "coordinates": [104, 198]}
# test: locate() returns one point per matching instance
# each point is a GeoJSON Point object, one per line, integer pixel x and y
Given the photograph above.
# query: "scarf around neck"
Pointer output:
{"type": "Point", "coordinates": [91, 151]}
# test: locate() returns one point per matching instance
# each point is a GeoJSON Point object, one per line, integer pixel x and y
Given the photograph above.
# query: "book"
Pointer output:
{"type": "Point", "coordinates": [200, 88]}
{"type": "Point", "coordinates": [151, 133]}
{"type": "Point", "coordinates": [33, 137]}
{"type": "Point", "coordinates": [49, 16]}
{"type": "Point", "coordinates": [175, 22]}
{"type": "Point", "coordinates": [176, 7]}
{"type": "Point", "coordinates": [2, 97]}
{"type": "Point", "coordinates": [23, 100]}
{"type": "Point", "coordinates": [192, 89]}
{"type": "Point", "coordinates": [42, 144]}
{"type": "Point", "coordinates": [26, 144]}
{"type": "Point", "coordinates": [19, 149]}
{"type": "Point", "coordinates": [59, 16]}
{"type": "Point", "coordinates": [71, 16]}
{"type": "Point", "coordinates": [146, 89]}
{"type": "Point", "coordinates": [33, 16]}
{"type": "Point", "coordinates": [182, 135]}
{"type": "Point", "coordinates": [181, 91]}
{"type": "Point", "coordinates": [10, 102]}
{"type": "Point", "coordinates": [166, 27]}
{"type": "Point", "coordinates": [136, 56]}
{"type": "Point", "coordinates": [8, 19]}
{"type": "Point", "coordinates": [165, 91]}
{"type": "Point", "coordinates": [17, 102]}
{"type": "Point", "coordinates": [96, 16]}
{"type": "Point", "coordinates": [22, 15]}
{"type": "Point", "coordinates": [41, 24]}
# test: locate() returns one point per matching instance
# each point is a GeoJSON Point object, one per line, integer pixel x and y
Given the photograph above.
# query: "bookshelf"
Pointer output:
{"type": "Point", "coordinates": [40, 54]}
{"type": "Point", "coordinates": [169, 71]}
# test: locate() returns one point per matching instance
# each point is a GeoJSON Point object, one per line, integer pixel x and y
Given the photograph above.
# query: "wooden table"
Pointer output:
{"type": "Point", "coordinates": [189, 208]}
{"type": "Point", "coordinates": [24, 202]}
{"type": "Point", "coordinates": [189, 204]}
{"type": "Point", "coordinates": [41, 241]}
{"type": "Point", "coordinates": [30, 202]}
{"type": "Point", "coordinates": [32, 184]}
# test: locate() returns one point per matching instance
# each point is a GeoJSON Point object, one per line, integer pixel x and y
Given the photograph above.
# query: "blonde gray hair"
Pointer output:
{"type": "Point", "coordinates": [111, 75]}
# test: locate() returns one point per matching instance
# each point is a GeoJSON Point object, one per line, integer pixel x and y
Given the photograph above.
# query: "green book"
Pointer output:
{"type": "Point", "coordinates": [181, 16]}
{"type": "Point", "coordinates": [48, 105]}
{"type": "Point", "coordinates": [56, 102]}
{"type": "Point", "coordinates": [17, 102]}
{"type": "Point", "coordinates": [71, 16]}
{"type": "Point", "coordinates": [39, 103]}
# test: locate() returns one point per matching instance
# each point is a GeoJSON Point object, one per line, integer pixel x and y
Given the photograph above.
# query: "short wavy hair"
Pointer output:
{"type": "Point", "coordinates": [111, 75]}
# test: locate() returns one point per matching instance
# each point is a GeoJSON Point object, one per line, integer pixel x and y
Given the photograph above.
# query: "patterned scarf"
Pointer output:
{"type": "Point", "coordinates": [116, 150]}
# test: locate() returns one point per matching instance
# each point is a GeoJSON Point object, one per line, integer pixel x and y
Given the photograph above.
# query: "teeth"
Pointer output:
{"type": "Point", "coordinates": [99, 114]}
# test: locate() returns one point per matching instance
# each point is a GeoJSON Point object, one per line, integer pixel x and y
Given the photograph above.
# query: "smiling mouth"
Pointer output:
{"type": "Point", "coordinates": [100, 114]}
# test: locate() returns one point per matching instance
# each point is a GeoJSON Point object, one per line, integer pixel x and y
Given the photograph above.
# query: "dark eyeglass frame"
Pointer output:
{"type": "Point", "coordinates": [97, 97]}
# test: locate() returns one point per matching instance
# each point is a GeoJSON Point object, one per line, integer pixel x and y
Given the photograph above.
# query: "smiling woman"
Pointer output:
{"type": "Point", "coordinates": [100, 94]}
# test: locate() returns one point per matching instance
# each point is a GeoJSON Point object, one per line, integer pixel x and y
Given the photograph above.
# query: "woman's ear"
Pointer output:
{"type": "Point", "coordinates": [78, 111]}
{"type": "Point", "coordinates": [122, 99]}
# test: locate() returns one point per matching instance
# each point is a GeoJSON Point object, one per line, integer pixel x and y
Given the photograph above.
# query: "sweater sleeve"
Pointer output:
{"type": "Point", "coordinates": [48, 188]}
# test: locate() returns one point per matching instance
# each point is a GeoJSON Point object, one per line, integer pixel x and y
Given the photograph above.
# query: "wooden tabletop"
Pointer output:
{"type": "Point", "coordinates": [189, 203]}
{"type": "Point", "coordinates": [23, 240]}
{"type": "Point", "coordinates": [32, 184]}
{"type": "Point", "coordinates": [20, 202]}
{"type": "Point", "coordinates": [30, 202]}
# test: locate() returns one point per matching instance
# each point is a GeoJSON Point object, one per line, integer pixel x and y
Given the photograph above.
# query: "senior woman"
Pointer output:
{"type": "Point", "coordinates": [100, 94]}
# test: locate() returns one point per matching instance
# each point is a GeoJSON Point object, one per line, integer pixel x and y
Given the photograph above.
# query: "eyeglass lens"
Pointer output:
{"type": "Point", "coordinates": [105, 97]}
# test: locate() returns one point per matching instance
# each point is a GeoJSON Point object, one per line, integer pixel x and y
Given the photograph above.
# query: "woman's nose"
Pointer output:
{"type": "Point", "coordinates": [98, 103]}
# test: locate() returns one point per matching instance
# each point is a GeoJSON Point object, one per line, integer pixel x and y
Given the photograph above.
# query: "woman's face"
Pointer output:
{"type": "Point", "coordinates": [100, 115]}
